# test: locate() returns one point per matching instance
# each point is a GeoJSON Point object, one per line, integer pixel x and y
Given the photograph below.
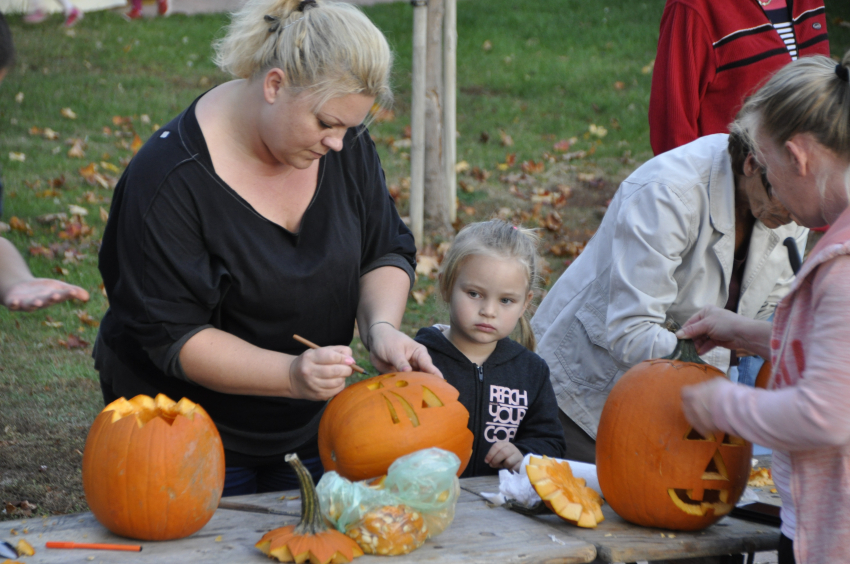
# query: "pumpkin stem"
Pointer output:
{"type": "Point", "coordinates": [312, 521]}
{"type": "Point", "coordinates": [686, 351]}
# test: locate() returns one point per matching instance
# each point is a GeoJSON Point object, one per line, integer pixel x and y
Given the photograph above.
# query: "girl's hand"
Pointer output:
{"type": "Point", "coordinates": [38, 293]}
{"type": "Point", "coordinates": [714, 327]}
{"type": "Point", "coordinates": [393, 351]}
{"type": "Point", "coordinates": [319, 374]}
{"type": "Point", "coordinates": [696, 403]}
{"type": "Point", "coordinates": [504, 455]}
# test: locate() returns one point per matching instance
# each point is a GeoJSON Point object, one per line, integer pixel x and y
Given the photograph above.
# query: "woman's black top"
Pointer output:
{"type": "Point", "coordinates": [182, 252]}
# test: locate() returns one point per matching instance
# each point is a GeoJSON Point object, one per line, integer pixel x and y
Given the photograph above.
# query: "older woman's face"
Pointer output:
{"type": "Point", "coordinates": [763, 204]}
{"type": "Point", "coordinates": [798, 194]}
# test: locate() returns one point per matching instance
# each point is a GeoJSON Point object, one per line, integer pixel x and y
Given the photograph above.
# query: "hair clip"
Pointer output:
{"type": "Point", "coordinates": [842, 72]}
{"type": "Point", "coordinates": [305, 3]}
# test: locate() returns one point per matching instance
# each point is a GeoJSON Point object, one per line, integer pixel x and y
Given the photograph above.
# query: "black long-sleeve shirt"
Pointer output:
{"type": "Point", "coordinates": [509, 398]}
{"type": "Point", "coordinates": [182, 251]}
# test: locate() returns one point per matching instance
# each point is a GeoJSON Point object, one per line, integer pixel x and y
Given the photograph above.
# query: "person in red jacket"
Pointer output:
{"type": "Point", "coordinates": [713, 53]}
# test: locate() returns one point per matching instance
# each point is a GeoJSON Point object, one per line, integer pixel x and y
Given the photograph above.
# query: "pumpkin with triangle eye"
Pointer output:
{"type": "Point", "coordinates": [654, 469]}
{"type": "Point", "coordinates": [368, 425]}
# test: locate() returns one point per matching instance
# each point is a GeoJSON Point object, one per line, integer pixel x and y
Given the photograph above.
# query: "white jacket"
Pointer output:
{"type": "Point", "coordinates": [664, 250]}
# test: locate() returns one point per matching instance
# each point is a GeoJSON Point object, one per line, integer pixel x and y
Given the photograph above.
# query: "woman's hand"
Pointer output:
{"type": "Point", "coordinates": [319, 374]}
{"type": "Point", "coordinates": [504, 455]}
{"type": "Point", "coordinates": [393, 351]}
{"type": "Point", "coordinates": [696, 403]}
{"type": "Point", "coordinates": [38, 293]}
{"type": "Point", "coordinates": [715, 327]}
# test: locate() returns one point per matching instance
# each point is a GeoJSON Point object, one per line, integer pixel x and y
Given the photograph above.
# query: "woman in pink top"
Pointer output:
{"type": "Point", "coordinates": [799, 123]}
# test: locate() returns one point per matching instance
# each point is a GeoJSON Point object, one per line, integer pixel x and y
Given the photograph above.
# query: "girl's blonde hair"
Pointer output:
{"type": "Point", "coordinates": [329, 48]}
{"type": "Point", "coordinates": [809, 95]}
{"type": "Point", "coordinates": [498, 239]}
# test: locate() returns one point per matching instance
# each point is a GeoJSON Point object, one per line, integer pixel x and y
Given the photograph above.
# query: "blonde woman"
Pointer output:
{"type": "Point", "coordinates": [258, 213]}
{"type": "Point", "coordinates": [799, 123]}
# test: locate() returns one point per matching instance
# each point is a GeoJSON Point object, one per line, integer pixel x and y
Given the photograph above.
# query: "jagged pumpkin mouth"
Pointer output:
{"type": "Point", "coordinates": [692, 503]}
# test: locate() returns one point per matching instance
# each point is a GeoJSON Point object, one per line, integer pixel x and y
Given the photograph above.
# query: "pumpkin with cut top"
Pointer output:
{"type": "Point", "coordinates": [654, 468]}
{"type": "Point", "coordinates": [153, 469]}
{"type": "Point", "coordinates": [370, 424]}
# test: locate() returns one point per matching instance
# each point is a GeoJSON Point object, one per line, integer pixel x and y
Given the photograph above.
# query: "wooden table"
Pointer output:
{"type": "Point", "coordinates": [479, 534]}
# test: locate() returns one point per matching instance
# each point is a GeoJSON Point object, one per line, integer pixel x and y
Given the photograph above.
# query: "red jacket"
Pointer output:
{"type": "Point", "coordinates": [712, 54]}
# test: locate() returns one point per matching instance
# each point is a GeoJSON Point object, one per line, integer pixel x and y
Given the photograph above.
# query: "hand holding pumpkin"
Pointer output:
{"type": "Point", "coordinates": [319, 374]}
{"type": "Point", "coordinates": [393, 351]}
{"type": "Point", "coordinates": [696, 404]}
{"type": "Point", "coordinates": [504, 454]}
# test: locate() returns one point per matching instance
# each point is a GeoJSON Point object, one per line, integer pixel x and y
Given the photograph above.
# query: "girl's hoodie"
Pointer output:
{"type": "Point", "coordinates": [509, 398]}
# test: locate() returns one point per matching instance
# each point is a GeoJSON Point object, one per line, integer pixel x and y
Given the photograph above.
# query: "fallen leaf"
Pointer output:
{"type": "Point", "coordinates": [425, 265]}
{"type": "Point", "coordinates": [61, 271]}
{"type": "Point", "coordinates": [563, 145]}
{"type": "Point", "coordinates": [20, 225]}
{"type": "Point", "coordinates": [506, 140]}
{"type": "Point", "coordinates": [597, 130]}
{"type": "Point", "coordinates": [480, 174]}
{"type": "Point", "coordinates": [51, 323]}
{"type": "Point", "coordinates": [104, 215]}
{"type": "Point", "coordinates": [35, 130]}
{"type": "Point", "coordinates": [648, 68]}
{"type": "Point", "coordinates": [484, 137]}
{"type": "Point", "coordinates": [487, 45]}
{"type": "Point", "coordinates": [77, 150]}
{"type": "Point", "coordinates": [19, 97]}
{"type": "Point", "coordinates": [136, 144]}
{"type": "Point", "coordinates": [49, 134]}
{"type": "Point", "coordinates": [86, 318]}
{"type": "Point", "coordinates": [73, 342]}
{"type": "Point", "coordinates": [109, 166]}
{"type": "Point", "coordinates": [77, 210]}
{"type": "Point", "coordinates": [68, 113]}
{"type": "Point", "coordinates": [510, 159]}
{"type": "Point", "coordinates": [574, 155]}
{"type": "Point", "coordinates": [553, 221]}
{"type": "Point", "coordinates": [619, 85]}
{"type": "Point", "coordinates": [531, 167]}
{"type": "Point", "coordinates": [461, 167]}
{"type": "Point", "coordinates": [20, 157]}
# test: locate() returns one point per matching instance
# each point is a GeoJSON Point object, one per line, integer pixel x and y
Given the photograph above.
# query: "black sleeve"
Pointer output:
{"type": "Point", "coordinates": [540, 431]}
{"type": "Point", "coordinates": [387, 241]}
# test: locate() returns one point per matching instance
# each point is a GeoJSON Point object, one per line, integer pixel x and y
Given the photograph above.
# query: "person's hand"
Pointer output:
{"type": "Point", "coordinates": [713, 327]}
{"type": "Point", "coordinates": [319, 374]}
{"type": "Point", "coordinates": [393, 351]}
{"type": "Point", "coordinates": [696, 403]}
{"type": "Point", "coordinates": [38, 293]}
{"type": "Point", "coordinates": [504, 455]}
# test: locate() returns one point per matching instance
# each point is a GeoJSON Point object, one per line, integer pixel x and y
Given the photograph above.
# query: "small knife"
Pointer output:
{"type": "Point", "coordinates": [7, 550]}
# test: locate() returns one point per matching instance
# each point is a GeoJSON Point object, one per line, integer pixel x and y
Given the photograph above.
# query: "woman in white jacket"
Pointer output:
{"type": "Point", "coordinates": [692, 227]}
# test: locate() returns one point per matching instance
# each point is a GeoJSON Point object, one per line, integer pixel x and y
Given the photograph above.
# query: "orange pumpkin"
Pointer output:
{"type": "Point", "coordinates": [311, 539]}
{"type": "Point", "coordinates": [373, 422]}
{"type": "Point", "coordinates": [654, 469]}
{"type": "Point", "coordinates": [153, 469]}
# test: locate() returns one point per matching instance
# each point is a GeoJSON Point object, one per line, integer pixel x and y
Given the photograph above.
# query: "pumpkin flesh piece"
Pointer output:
{"type": "Point", "coordinates": [567, 496]}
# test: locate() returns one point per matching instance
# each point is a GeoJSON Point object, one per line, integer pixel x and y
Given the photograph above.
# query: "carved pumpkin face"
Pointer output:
{"type": "Point", "coordinates": [371, 423]}
{"type": "Point", "coordinates": [653, 468]}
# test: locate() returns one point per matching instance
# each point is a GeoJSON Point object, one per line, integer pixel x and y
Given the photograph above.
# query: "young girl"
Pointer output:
{"type": "Point", "coordinates": [799, 122]}
{"type": "Point", "coordinates": [488, 279]}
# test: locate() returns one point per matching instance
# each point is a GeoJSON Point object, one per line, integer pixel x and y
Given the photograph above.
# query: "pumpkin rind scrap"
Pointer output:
{"type": "Point", "coordinates": [567, 496]}
{"type": "Point", "coordinates": [654, 469]}
{"type": "Point", "coordinates": [311, 539]}
{"type": "Point", "coordinates": [370, 424]}
{"type": "Point", "coordinates": [390, 530]}
{"type": "Point", "coordinates": [153, 469]}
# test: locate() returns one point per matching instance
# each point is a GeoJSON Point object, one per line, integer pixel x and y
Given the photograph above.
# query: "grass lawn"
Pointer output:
{"type": "Point", "coordinates": [529, 75]}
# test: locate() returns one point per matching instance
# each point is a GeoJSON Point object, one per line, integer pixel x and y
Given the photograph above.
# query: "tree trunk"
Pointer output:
{"type": "Point", "coordinates": [437, 220]}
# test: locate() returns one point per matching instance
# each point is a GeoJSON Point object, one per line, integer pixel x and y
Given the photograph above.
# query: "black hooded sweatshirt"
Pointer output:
{"type": "Point", "coordinates": [509, 398]}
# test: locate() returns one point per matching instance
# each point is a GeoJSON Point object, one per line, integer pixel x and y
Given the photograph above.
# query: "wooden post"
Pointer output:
{"type": "Point", "coordinates": [450, 103]}
{"type": "Point", "coordinates": [417, 120]}
{"type": "Point", "coordinates": [436, 197]}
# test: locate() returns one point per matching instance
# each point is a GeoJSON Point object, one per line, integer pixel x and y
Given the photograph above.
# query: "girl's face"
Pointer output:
{"type": "Point", "coordinates": [489, 296]}
{"type": "Point", "coordinates": [296, 134]}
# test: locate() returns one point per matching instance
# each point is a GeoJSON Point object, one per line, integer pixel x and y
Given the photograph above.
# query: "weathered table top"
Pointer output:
{"type": "Point", "coordinates": [479, 534]}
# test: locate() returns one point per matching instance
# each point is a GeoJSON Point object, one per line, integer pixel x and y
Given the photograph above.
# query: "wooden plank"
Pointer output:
{"type": "Point", "coordinates": [478, 535]}
{"type": "Point", "coordinates": [619, 541]}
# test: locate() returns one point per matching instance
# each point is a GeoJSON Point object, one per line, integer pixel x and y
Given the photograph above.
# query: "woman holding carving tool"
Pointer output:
{"type": "Point", "coordinates": [259, 213]}
{"type": "Point", "coordinates": [800, 126]}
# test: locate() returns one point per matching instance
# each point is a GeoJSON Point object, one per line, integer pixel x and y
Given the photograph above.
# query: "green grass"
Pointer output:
{"type": "Point", "coordinates": [548, 75]}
